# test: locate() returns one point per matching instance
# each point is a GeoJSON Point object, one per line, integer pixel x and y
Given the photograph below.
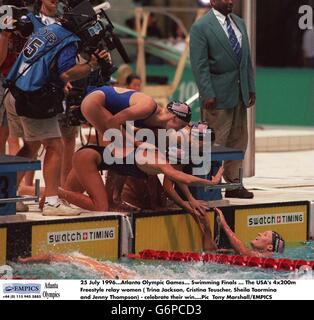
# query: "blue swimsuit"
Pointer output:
{"type": "Point", "coordinates": [117, 102]}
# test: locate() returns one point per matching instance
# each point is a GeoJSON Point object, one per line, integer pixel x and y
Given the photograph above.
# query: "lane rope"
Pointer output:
{"type": "Point", "coordinates": [282, 264]}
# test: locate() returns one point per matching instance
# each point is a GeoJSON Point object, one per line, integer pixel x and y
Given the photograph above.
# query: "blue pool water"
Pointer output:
{"type": "Point", "coordinates": [170, 270]}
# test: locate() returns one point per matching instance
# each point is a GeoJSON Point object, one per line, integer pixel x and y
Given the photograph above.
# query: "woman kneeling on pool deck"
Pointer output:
{"type": "Point", "coordinates": [85, 176]}
{"type": "Point", "coordinates": [263, 246]}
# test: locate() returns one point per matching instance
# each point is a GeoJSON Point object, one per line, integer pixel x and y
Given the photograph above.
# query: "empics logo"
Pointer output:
{"type": "Point", "coordinates": [275, 219]}
{"type": "Point", "coordinates": [81, 235]}
{"type": "Point", "coordinates": [29, 288]}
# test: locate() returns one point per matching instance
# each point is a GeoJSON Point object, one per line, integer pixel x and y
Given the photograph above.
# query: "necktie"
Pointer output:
{"type": "Point", "coordinates": [234, 40]}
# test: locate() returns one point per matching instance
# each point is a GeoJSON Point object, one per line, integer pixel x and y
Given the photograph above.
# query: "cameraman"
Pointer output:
{"type": "Point", "coordinates": [46, 13]}
{"type": "Point", "coordinates": [11, 44]}
{"type": "Point", "coordinates": [36, 81]}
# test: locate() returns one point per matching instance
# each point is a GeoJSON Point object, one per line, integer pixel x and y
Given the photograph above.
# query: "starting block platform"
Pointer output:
{"type": "Point", "coordinates": [9, 167]}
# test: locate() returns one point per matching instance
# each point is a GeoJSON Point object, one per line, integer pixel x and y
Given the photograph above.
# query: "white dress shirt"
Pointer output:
{"type": "Point", "coordinates": [222, 20]}
{"type": "Point", "coordinates": [47, 20]}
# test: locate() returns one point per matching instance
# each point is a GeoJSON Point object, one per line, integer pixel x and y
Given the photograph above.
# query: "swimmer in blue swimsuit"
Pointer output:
{"type": "Point", "coordinates": [110, 107]}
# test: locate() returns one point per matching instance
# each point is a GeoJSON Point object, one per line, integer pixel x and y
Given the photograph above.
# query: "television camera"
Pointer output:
{"type": "Point", "coordinates": [95, 30]}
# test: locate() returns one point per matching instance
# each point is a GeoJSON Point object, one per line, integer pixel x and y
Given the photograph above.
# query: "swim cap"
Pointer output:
{"type": "Point", "coordinates": [181, 110]}
{"type": "Point", "coordinates": [278, 243]}
{"type": "Point", "coordinates": [200, 130]}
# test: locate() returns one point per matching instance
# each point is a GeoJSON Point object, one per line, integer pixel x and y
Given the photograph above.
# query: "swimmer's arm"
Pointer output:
{"type": "Point", "coordinates": [172, 193]}
{"type": "Point", "coordinates": [44, 258]}
{"type": "Point", "coordinates": [199, 207]}
{"type": "Point", "coordinates": [181, 177]}
{"type": "Point", "coordinates": [155, 161]}
{"type": "Point", "coordinates": [197, 210]}
{"type": "Point", "coordinates": [187, 179]}
{"type": "Point", "coordinates": [236, 244]}
{"type": "Point", "coordinates": [186, 191]}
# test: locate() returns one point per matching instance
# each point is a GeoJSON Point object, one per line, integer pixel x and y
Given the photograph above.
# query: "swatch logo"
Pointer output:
{"type": "Point", "coordinates": [275, 219]}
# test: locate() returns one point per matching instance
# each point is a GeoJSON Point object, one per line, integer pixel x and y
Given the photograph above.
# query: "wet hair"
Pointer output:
{"type": "Point", "coordinates": [278, 242]}
{"type": "Point", "coordinates": [132, 77]}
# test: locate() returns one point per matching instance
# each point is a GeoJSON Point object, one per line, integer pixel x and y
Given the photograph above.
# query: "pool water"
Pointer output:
{"type": "Point", "coordinates": [171, 270]}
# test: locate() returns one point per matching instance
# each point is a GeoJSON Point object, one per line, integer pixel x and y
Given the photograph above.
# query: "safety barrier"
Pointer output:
{"type": "Point", "coordinates": [266, 263]}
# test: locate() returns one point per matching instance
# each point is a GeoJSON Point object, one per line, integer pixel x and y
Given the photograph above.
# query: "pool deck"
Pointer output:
{"type": "Point", "coordinates": [285, 176]}
{"type": "Point", "coordinates": [281, 176]}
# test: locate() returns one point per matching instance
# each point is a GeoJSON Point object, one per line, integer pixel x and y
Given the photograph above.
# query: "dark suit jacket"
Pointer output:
{"type": "Point", "coordinates": [216, 69]}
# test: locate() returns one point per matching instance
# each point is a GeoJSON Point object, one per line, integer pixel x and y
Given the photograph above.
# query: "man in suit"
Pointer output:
{"type": "Point", "coordinates": [222, 67]}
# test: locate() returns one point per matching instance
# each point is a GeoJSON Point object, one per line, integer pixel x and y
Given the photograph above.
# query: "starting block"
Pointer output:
{"type": "Point", "coordinates": [218, 155]}
{"type": "Point", "coordinates": [9, 167]}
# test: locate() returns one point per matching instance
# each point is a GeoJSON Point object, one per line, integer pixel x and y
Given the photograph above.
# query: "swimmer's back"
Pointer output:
{"type": "Point", "coordinates": [117, 99]}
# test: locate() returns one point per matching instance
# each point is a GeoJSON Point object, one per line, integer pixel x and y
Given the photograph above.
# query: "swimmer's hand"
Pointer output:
{"type": "Point", "coordinates": [199, 207]}
{"type": "Point", "coordinates": [217, 178]}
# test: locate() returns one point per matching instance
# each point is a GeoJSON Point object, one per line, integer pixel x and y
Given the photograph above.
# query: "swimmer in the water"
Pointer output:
{"type": "Point", "coordinates": [109, 271]}
{"type": "Point", "coordinates": [264, 245]}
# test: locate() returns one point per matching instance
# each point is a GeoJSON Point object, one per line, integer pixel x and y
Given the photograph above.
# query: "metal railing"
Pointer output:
{"type": "Point", "coordinates": [25, 198]}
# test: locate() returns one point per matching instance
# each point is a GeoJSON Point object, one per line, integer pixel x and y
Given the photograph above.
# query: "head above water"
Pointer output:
{"type": "Point", "coordinates": [268, 241]}
{"type": "Point", "coordinates": [223, 6]}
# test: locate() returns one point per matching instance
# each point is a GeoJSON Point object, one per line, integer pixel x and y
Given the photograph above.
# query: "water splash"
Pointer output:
{"type": "Point", "coordinates": [169, 270]}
